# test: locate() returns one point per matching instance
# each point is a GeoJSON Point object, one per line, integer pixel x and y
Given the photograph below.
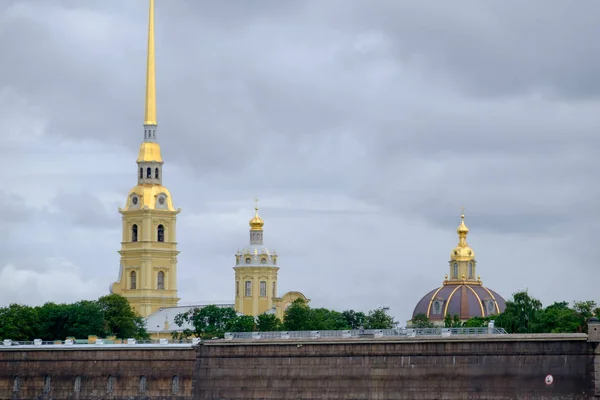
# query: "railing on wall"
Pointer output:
{"type": "Point", "coordinates": [341, 334]}
{"type": "Point", "coordinates": [358, 333]}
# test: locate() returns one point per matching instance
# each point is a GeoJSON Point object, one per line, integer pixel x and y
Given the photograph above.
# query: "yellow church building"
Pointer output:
{"type": "Point", "coordinates": [148, 265]}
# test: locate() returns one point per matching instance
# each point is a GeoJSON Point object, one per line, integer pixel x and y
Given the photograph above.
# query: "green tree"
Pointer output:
{"type": "Point", "coordinates": [354, 319]}
{"type": "Point", "coordinates": [213, 321]}
{"type": "Point", "coordinates": [379, 319]}
{"type": "Point", "coordinates": [477, 322]}
{"type": "Point", "coordinates": [421, 321]}
{"type": "Point", "coordinates": [297, 316]}
{"type": "Point", "coordinates": [452, 321]}
{"type": "Point", "coordinates": [523, 314]}
{"type": "Point", "coordinates": [54, 321]}
{"type": "Point", "coordinates": [243, 323]}
{"type": "Point", "coordinates": [268, 323]}
{"type": "Point", "coordinates": [322, 319]}
{"type": "Point", "coordinates": [84, 318]}
{"type": "Point", "coordinates": [19, 323]}
{"type": "Point", "coordinates": [560, 318]}
{"type": "Point", "coordinates": [585, 310]}
{"type": "Point", "coordinates": [120, 319]}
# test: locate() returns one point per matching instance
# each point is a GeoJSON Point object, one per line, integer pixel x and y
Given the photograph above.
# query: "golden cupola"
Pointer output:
{"type": "Point", "coordinates": [462, 252]}
{"type": "Point", "coordinates": [256, 223]}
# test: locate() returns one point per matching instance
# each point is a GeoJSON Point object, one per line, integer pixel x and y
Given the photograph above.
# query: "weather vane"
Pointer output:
{"type": "Point", "coordinates": [256, 203]}
{"type": "Point", "coordinates": [462, 210]}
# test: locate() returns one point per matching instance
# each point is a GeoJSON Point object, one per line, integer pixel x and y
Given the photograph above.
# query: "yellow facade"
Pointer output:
{"type": "Point", "coordinates": [148, 273]}
{"type": "Point", "coordinates": [256, 277]}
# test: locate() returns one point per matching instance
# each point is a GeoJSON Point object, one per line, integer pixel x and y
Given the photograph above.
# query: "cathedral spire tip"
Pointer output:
{"type": "Point", "coordinates": [150, 109]}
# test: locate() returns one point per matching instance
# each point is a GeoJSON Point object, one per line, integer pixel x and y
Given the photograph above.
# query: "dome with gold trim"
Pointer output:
{"type": "Point", "coordinates": [461, 293]}
{"type": "Point", "coordinates": [256, 223]}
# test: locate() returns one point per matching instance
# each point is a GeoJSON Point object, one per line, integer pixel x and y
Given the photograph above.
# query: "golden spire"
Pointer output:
{"type": "Point", "coordinates": [256, 223]}
{"type": "Point", "coordinates": [462, 252]}
{"type": "Point", "coordinates": [150, 115]}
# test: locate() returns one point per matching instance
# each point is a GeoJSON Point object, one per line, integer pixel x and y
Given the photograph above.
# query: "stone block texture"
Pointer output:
{"type": "Point", "coordinates": [96, 374]}
{"type": "Point", "coordinates": [512, 367]}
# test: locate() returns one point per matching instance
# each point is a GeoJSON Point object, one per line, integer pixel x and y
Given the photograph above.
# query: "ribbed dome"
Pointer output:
{"type": "Point", "coordinates": [465, 300]}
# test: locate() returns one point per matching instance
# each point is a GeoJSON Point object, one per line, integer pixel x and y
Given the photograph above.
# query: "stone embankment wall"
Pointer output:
{"type": "Point", "coordinates": [492, 367]}
{"type": "Point", "coordinates": [479, 367]}
{"type": "Point", "coordinates": [79, 372]}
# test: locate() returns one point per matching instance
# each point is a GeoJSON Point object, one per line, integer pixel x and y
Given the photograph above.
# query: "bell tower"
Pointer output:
{"type": "Point", "coordinates": [255, 273]}
{"type": "Point", "coordinates": [148, 272]}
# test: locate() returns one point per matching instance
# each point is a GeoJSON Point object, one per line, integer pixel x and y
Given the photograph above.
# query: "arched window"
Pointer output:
{"type": "Point", "coordinates": [455, 271]}
{"type": "Point", "coordinates": [110, 384]}
{"type": "Point", "coordinates": [156, 173]}
{"type": "Point", "coordinates": [263, 260]}
{"type": "Point", "coordinates": [149, 172]}
{"type": "Point", "coordinates": [133, 283]}
{"type": "Point", "coordinates": [248, 289]}
{"type": "Point", "coordinates": [160, 233]}
{"type": "Point", "coordinates": [470, 270]}
{"type": "Point", "coordinates": [436, 307]}
{"type": "Point", "coordinates": [237, 289]}
{"type": "Point", "coordinates": [175, 385]}
{"type": "Point", "coordinates": [161, 281]}
{"type": "Point", "coordinates": [274, 289]}
{"type": "Point", "coordinates": [248, 260]}
{"type": "Point", "coordinates": [77, 385]}
{"type": "Point", "coordinates": [142, 384]}
{"type": "Point", "coordinates": [141, 173]}
{"type": "Point", "coordinates": [134, 233]}
{"type": "Point", "coordinates": [263, 289]}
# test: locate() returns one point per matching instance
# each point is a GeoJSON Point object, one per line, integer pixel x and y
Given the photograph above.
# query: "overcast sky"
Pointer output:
{"type": "Point", "coordinates": [362, 127]}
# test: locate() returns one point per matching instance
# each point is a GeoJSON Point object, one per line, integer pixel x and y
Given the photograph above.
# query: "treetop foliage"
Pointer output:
{"type": "Point", "coordinates": [213, 321]}
{"type": "Point", "coordinates": [107, 316]}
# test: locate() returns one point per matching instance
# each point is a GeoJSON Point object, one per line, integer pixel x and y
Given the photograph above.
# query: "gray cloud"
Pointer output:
{"type": "Point", "coordinates": [362, 129]}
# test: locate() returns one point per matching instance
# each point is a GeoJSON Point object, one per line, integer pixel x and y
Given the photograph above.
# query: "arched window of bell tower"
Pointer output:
{"type": "Point", "coordinates": [156, 173]}
{"type": "Point", "coordinates": [160, 233]}
{"type": "Point", "coordinates": [141, 173]}
{"type": "Point", "coordinates": [470, 270]}
{"type": "Point", "coordinates": [455, 271]}
{"type": "Point", "coordinates": [161, 281]}
{"type": "Point", "coordinates": [134, 233]}
{"type": "Point", "coordinates": [148, 172]}
{"type": "Point", "coordinates": [133, 280]}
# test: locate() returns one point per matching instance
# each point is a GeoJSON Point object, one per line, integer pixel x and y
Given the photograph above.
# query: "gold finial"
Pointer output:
{"type": "Point", "coordinates": [462, 252]}
{"type": "Point", "coordinates": [150, 110]}
{"type": "Point", "coordinates": [256, 223]}
{"type": "Point", "coordinates": [462, 229]}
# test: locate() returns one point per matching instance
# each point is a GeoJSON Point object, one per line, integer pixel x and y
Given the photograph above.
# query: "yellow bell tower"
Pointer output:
{"type": "Point", "coordinates": [255, 273]}
{"type": "Point", "coordinates": [148, 273]}
{"type": "Point", "coordinates": [256, 269]}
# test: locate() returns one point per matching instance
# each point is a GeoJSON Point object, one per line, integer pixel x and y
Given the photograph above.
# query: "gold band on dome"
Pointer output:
{"type": "Point", "coordinates": [431, 301]}
{"type": "Point", "coordinates": [493, 298]}
{"type": "Point", "coordinates": [449, 298]}
{"type": "Point", "coordinates": [479, 299]}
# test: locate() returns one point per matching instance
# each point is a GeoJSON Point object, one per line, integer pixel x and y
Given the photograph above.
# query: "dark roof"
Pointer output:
{"type": "Point", "coordinates": [464, 299]}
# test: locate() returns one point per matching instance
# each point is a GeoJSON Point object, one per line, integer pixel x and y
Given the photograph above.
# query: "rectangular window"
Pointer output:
{"type": "Point", "coordinates": [274, 289]}
{"type": "Point", "coordinates": [248, 291]}
{"type": "Point", "coordinates": [237, 289]}
{"type": "Point", "coordinates": [263, 289]}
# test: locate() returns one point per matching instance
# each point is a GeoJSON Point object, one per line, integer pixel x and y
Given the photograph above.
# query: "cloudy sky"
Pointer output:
{"type": "Point", "coordinates": [362, 127]}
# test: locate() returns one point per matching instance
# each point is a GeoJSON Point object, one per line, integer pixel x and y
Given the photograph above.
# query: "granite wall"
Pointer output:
{"type": "Point", "coordinates": [481, 367]}
{"type": "Point", "coordinates": [492, 367]}
{"type": "Point", "coordinates": [79, 372]}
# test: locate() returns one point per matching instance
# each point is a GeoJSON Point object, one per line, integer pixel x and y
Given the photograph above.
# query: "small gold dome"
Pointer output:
{"type": "Point", "coordinates": [256, 223]}
{"type": "Point", "coordinates": [462, 252]}
{"type": "Point", "coordinates": [462, 228]}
